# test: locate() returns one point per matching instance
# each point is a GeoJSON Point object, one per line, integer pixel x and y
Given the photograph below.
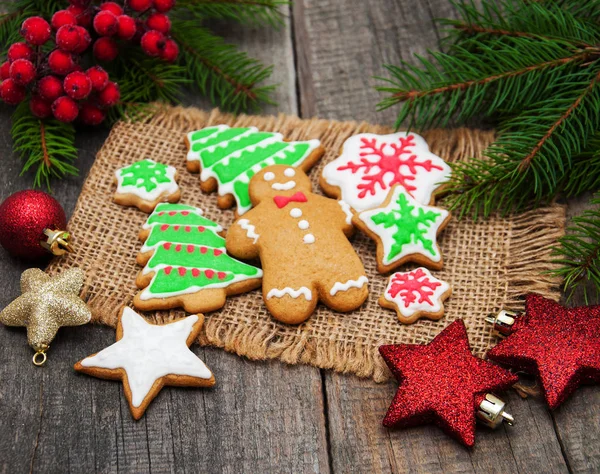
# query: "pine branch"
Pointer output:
{"type": "Point", "coordinates": [226, 75]}
{"type": "Point", "coordinates": [241, 11]}
{"type": "Point", "coordinates": [579, 251]}
{"type": "Point", "coordinates": [46, 146]}
{"type": "Point", "coordinates": [584, 175]}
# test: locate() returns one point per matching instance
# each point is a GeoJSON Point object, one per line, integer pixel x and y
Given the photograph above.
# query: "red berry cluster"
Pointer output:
{"type": "Point", "coordinates": [58, 84]}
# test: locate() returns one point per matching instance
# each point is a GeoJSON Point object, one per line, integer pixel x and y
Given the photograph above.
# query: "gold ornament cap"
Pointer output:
{"type": "Point", "coordinates": [503, 322]}
{"type": "Point", "coordinates": [491, 412]}
{"type": "Point", "coordinates": [58, 242]}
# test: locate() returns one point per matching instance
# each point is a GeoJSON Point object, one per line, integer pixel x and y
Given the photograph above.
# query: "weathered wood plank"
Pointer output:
{"type": "Point", "coordinates": [261, 417]}
{"type": "Point", "coordinates": [343, 45]}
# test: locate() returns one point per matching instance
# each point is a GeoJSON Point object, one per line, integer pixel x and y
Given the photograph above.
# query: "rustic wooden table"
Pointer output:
{"type": "Point", "coordinates": [265, 417]}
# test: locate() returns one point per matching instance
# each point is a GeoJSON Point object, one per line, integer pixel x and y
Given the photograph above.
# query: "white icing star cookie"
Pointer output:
{"type": "Point", "coordinates": [415, 294]}
{"type": "Point", "coordinates": [147, 357]}
{"type": "Point", "coordinates": [146, 183]}
{"type": "Point", "coordinates": [370, 165]}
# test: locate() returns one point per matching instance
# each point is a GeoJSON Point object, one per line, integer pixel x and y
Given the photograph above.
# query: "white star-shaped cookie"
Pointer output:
{"type": "Point", "coordinates": [147, 357]}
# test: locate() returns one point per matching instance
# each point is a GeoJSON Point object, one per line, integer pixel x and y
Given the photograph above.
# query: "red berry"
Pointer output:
{"type": "Point", "coordinates": [98, 76]}
{"type": "Point", "coordinates": [127, 27]}
{"type": "Point", "coordinates": [139, 5]}
{"type": "Point", "coordinates": [62, 18]}
{"type": "Point", "coordinates": [83, 15]}
{"type": "Point", "coordinates": [84, 40]}
{"type": "Point", "coordinates": [11, 92]}
{"type": "Point", "coordinates": [19, 51]}
{"type": "Point", "coordinates": [113, 7]}
{"type": "Point", "coordinates": [140, 29]}
{"type": "Point", "coordinates": [81, 3]}
{"type": "Point", "coordinates": [22, 71]}
{"type": "Point", "coordinates": [91, 115]}
{"type": "Point", "coordinates": [110, 95]}
{"type": "Point", "coordinates": [171, 51]}
{"type": "Point", "coordinates": [65, 109]}
{"type": "Point", "coordinates": [106, 24]}
{"type": "Point", "coordinates": [5, 70]}
{"type": "Point", "coordinates": [67, 37]}
{"type": "Point", "coordinates": [159, 22]}
{"type": "Point", "coordinates": [35, 30]}
{"type": "Point", "coordinates": [106, 49]}
{"type": "Point", "coordinates": [77, 85]}
{"type": "Point", "coordinates": [153, 42]}
{"type": "Point", "coordinates": [50, 88]}
{"type": "Point", "coordinates": [163, 5]}
{"type": "Point", "coordinates": [39, 107]}
{"type": "Point", "coordinates": [61, 62]}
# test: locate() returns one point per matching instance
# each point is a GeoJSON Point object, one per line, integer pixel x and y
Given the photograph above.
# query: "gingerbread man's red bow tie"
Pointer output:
{"type": "Point", "coordinates": [283, 201]}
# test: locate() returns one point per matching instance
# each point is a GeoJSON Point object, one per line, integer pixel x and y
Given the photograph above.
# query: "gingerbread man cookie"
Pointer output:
{"type": "Point", "coordinates": [301, 239]}
{"type": "Point", "coordinates": [146, 183]}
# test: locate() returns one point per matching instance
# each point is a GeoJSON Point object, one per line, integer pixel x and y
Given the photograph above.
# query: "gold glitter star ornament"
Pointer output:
{"type": "Point", "coordinates": [46, 304]}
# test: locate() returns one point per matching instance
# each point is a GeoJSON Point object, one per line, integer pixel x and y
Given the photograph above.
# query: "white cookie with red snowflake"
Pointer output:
{"type": "Point", "coordinates": [415, 294]}
{"type": "Point", "coordinates": [370, 165]}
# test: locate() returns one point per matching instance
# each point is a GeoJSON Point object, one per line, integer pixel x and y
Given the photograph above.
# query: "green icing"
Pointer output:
{"type": "Point", "coordinates": [175, 282]}
{"type": "Point", "coordinates": [209, 158]}
{"type": "Point", "coordinates": [222, 137]}
{"type": "Point", "coordinates": [185, 235]}
{"type": "Point", "coordinates": [167, 206]}
{"type": "Point", "coordinates": [410, 227]}
{"type": "Point", "coordinates": [205, 132]}
{"type": "Point", "coordinates": [170, 214]}
{"type": "Point", "coordinates": [148, 172]}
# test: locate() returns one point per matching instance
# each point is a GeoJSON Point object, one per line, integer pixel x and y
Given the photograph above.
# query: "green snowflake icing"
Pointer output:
{"type": "Point", "coordinates": [410, 228]}
{"type": "Point", "coordinates": [145, 174]}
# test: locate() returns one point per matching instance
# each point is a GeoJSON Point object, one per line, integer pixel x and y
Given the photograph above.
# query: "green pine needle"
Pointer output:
{"type": "Point", "coordinates": [267, 12]}
{"type": "Point", "coordinates": [46, 146]}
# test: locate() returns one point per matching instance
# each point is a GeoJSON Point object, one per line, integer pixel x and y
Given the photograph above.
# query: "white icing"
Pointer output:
{"type": "Point", "coordinates": [418, 306]}
{"type": "Point", "coordinates": [269, 176]}
{"type": "Point", "coordinates": [295, 212]}
{"type": "Point", "coordinates": [338, 286]}
{"type": "Point", "coordinates": [249, 228]}
{"type": "Point", "coordinates": [309, 239]}
{"type": "Point", "coordinates": [148, 352]}
{"type": "Point", "coordinates": [290, 172]}
{"type": "Point", "coordinates": [303, 290]}
{"type": "Point", "coordinates": [346, 208]}
{"type": "Point", "coordinates": [387, 235]}
{"type": "Point", "coordinates": [303, 224]}
{"type": "Point", "coordinates": [425, 182]}
{"type": "Point", "coordinates": [284, 186]}
{"type": "Point", "coordinates": [161, 189]}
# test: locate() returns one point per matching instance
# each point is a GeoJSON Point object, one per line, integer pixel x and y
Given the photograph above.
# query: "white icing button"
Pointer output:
{"type": "Point", "coordinates": [269, 176]}
{"type": "Point", "coordinates": [309, 239]}
{"type": "Point", "coordinates": [295, 212]}
{"type": "Point", "coordinates": [303, 224]}
{"type": "Point", "coordinates": [289, 172]}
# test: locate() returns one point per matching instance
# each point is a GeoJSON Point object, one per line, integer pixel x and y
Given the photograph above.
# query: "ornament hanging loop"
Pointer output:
{"type": "Point", "coordinates": [503, 322]}
{"type": "Point", "coordinates": [57, 242]}
{"type": "Point", "coordinates": [39, 358]}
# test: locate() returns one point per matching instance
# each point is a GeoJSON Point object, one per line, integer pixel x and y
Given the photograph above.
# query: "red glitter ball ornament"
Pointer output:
{"type": "Point", "coordinates": [36, 30]}
{"type": "Point", "coordinates": [23, 217]}
{"type": "Point", "coordinates": [560, 345]}
{"type": "Point", "coordinates": [441, 383]}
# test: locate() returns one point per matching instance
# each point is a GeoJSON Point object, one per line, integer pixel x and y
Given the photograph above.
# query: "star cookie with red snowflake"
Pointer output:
{"type": "Point", "coordinates": [370, 165]}
{"type": "Point", "coordinates": [405, 231]}
{"type": "Point", "coordinates": [443, 383]}
{"type": "Point", "coordinates": [561, 345]}
{"type": "Point", "coordinates": [415, 294]}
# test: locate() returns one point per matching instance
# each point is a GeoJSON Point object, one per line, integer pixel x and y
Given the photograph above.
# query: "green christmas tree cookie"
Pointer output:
{"type": "Point", "coordinates": [186, 264]}
{"type": "Point", "coordinates": [228, 157]}
{"type": "Point", "coordinates": [404, 230]}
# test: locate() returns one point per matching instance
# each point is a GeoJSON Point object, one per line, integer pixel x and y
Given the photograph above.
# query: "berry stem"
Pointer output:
{"type": "Point", "coordinates": [46, 155]}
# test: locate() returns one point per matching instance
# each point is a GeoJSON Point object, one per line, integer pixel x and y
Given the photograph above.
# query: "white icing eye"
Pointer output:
{"type": "Point", "coordinates": [289, 172]}
{"type": "Point", "coordinates": [295, 212]}
{"type": "Point", "coordinates": [269, 176]}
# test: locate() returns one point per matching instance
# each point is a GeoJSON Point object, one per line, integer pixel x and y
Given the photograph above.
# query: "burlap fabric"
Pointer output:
{"type": "Point", "coordinates": [490, 264]}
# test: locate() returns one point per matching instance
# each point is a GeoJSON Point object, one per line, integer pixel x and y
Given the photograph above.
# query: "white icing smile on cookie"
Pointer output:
{"type": "Point", "coordinates": [283, 186]}
{"type": "Point", "coordinates": [303, 290]}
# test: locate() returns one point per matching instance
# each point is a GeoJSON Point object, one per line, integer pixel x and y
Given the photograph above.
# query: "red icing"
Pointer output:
{"type": "Point", "coordinates": [172, 213]}
{"type": "Point", "coordinates": [176, 227]}
{"type": "Point", "coordinates": [167, 270]}
{"type": "Point", "coordinates": [167, 245]}
{"type": "Point", "coordinates": [201, 228]}
{"type": "Point", "coordinates": [187, 228]}
{"type": "Point", "coordinates": [185, 213]}
{"type": "Point", "coordinates": [203, 250]}
{"type": "Point", "coordinates": [181, 271]}
{"type": "Point", "coordinates": [178, 248]}
{"type": "Point", "coordinates": [413, 284]}
{"type": "Point", "coordinates": [221, 275]}
{"type": "Point", "coordinates": [190, 248]}
{"type": "Point", "coordinates": [195, 272]}
{"type": "Point", "coordinates": [164, 227]}
{"type": "Point", "coordinates": [217, 252]}
{"type": "Point", "coordinates": [387, 164]}
{"type": "Point", "coordinates": [209, 273]}
{"type": "Point", "coordinates": [283, 201]}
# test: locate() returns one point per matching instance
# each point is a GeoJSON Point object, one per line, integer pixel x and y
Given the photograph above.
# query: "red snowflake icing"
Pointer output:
{"type": "Point", "coordinates": [388, 163]}
{"type": "Point", "coordinates": [412, 285]}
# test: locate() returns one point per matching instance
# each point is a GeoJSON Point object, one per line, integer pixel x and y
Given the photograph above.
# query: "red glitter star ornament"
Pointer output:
{"type": "Point", "coordinates": [443, 383]}
{"type": "Point", "coordinates": [560, 345]}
